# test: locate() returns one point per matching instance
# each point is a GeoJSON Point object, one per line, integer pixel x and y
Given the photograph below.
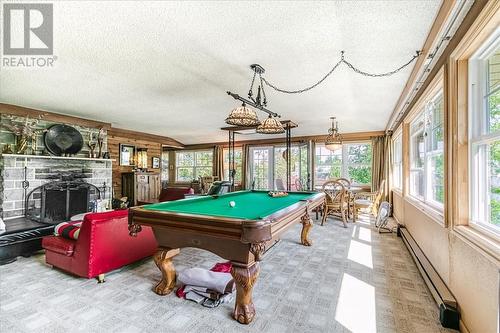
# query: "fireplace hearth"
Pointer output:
{"type": "Point", "coordinates": [57, 201]}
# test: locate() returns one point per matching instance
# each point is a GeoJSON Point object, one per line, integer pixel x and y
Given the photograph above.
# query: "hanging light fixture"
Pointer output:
{"type": "Point", "coordinates": [243, 116]}
{"type": "Point", "coordinates": [270, 126]}
{"type": "Point", "coordinates": [334, 139]}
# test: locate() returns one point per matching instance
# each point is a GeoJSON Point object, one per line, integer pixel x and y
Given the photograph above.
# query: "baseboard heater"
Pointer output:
{"type": "Point", "coordinates": [448, 307]}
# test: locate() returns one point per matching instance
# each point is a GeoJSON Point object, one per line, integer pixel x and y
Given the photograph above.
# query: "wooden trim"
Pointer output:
{"type": "Point", "coordinates": [486, 21]}
{"type": "Point", "coordinates": [467, 22]}
{"type": "Point", "coordinates": [428, 93]}
{"type": "Point", "coordinates": [441, 18]}
{"type": "Point", "coordinates": [348, 137]}
{"type": "Point", "coordinates": [51, 116]}
{"type": "Point", "coordinates": [164, 140]}
{"type": "Point", "coordinates": [458, 134]}
{"type": "Point", "coordinates": [406, 158]}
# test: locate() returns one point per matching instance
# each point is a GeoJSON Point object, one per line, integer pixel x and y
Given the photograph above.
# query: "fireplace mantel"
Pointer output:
{"type": "Point", "coordinates": [58, 157]}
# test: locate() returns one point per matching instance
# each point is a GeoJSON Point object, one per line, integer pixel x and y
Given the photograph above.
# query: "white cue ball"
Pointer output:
{"type": "Point", "coordinates": [232, 203]}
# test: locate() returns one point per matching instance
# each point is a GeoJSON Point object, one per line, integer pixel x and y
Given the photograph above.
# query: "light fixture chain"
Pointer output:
{"type": "Point", "coordinates": [351, 66]}
{"type": "Point", "coordinates": [250, 91]}
{"type": "Point", "coordinates": [263, 91]}
{"type": "Point", "coordinates": [305, 89]}
{"type": "Point", "coordinates": [380, 74]}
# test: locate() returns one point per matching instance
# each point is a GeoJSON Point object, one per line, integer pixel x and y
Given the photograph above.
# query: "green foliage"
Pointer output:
{"type": "Point", "coordinates": [495, 212]}
{"type": "Point", "coordinates": [360, 175]}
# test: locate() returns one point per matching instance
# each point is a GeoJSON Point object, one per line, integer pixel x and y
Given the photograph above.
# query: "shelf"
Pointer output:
{"type": "Point", "coordinates": [50, 157]}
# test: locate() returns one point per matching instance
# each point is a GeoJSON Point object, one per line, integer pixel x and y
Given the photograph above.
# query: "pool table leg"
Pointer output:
{"type": "Point", "coordinates": [163, 259]}
{"type": "Point", "coordinates": [306, 227]}
{"type": "Point", "coordinates": [244, 277]}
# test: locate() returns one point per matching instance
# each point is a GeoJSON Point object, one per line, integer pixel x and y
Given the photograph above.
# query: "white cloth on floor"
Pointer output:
{"type": "Point", "coordinates": [216, 281]}
{"type": "Point", "coordinates": [206, 301]}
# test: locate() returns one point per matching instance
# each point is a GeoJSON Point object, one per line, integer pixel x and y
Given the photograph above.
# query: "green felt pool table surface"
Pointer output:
{"type": "Point", "coordinates": [250, 205]}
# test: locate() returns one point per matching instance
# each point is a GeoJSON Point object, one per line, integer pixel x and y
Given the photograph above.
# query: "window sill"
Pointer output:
{"type": "Point", "coordinates": [478, 238]}
{"type": "Point", "coordinates": [432, 212]}
{"type": "Point", "coordinates": [398, 191]}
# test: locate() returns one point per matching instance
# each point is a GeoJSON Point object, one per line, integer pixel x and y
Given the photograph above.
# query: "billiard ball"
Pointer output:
{"type": "Point", "coordinates": [232, 203]}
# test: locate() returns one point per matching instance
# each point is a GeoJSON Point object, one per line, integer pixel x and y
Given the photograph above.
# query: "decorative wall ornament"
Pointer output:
{"type": "Point", "coordinates": [127, 154]}
{"type": "Point", "coordinates": [64, 140]}
{"type": "Point", "coordinates": [25, 132]}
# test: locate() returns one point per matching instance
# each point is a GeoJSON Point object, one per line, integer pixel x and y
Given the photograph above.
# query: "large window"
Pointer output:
{"type": "Point", "coordinates": [426, 153]}
{"type": "Point", "coordinates": [193, 164]}
{"type": "Point", "coordinates": [353, 161]}
{"type": "Point", "coordinates": [268, 166]}
{"type": "Point", "coordinates": [397, 161]}
{"type": "Point", "coordinates": [164, 166]}
{"type": "Point", "coordinates": [484, 131]}
{"type": "Point", "coordinates": [238, 164]}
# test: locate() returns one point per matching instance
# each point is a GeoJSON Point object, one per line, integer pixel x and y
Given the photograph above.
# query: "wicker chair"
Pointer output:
{"type": "Point", "coordinates": [335, 201]}
{"type": "Point", "coordinates": [298, 185]}
{"type": "Point", "coordinates": [349, 197]}
{"type": "Point", "coordinates": [368, 200]}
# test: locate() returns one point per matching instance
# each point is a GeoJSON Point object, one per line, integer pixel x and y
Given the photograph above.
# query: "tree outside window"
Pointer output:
{"type": "Point", "coordinates": [238, 164]}
{"type": "Point", "coordinates": [484, 115]}
{"type": "Point", "coordinates": [427, 153]}
{"type": "Point", "coordinates": [193, 164]}
{"type": "Point", "coordinates": [353, 162]}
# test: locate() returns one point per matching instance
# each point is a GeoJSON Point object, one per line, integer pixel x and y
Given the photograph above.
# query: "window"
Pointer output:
{"type": "Point", "coordinates": [164, 166]}
{"type": "Point", "coordinates": [397, 162]}
{"type": "Point", "coordinates": [238, 164]}
{"type": "Point", "coordinates": [484, 132]}
{"type": "Point", "coordinates": [260, 167]}
{"type": "Point", "coordinates": [193, 164]}
{"type": "Point", "coordinates": [268, 166]}
{"type": "Point", "coordinates": [426, 153]}
{"type": "Point", "coordinates": [353, 161]}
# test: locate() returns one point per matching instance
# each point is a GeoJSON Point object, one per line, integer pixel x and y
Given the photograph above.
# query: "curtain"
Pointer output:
{"type": "Point", "coordinates": [378, 161]}
{"type": "Point", "coordinates": [382, 165]}
{"type": "Point", "coordinates": [219, 162]}
{"type": "Point", "coordinates": [388, 167]}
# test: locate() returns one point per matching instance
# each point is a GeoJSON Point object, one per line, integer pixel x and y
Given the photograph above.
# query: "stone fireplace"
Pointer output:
{"type": "Point", "coordinates": [66, 185]}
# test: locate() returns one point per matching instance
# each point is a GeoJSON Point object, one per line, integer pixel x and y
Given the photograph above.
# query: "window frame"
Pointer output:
{"type": "Point", "coordinates": [226, 166]}
{"type": "Point", "coordinates": [397, 164]}
{"type": "Point", "coordinates": [479, 135]}
{"type": "Point", "coordinates": [194, 166]}
{"type": "Point", "coordinates": [344, 164]}
{"type": "Point", "coordinates": [421, 113]}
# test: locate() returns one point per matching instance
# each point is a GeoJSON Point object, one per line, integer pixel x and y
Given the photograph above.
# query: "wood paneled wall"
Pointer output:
{"type": "Point", "coordinates": [115, 136]}
{"type": "Point", "coordinates": [153, 144]}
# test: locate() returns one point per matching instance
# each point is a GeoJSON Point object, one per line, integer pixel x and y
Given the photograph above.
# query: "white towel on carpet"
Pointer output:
{"type": "Point", "coordinates": [216, 281]}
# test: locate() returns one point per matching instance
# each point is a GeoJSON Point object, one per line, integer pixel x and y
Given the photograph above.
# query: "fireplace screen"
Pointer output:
{"type": "Point", "coordinates": [57, 201]}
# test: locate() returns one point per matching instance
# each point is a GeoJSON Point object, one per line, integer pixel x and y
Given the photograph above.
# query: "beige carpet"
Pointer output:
{"type": "Point", "coordinates": [350, 280]}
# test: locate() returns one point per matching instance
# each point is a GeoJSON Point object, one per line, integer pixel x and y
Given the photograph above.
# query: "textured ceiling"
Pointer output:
{"type": "Point", "coordinates": [164, 67]}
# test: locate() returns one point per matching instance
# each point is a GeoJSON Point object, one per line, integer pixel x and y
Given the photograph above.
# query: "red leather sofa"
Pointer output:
{"type": "Point", "coordinates": [173, 193]}
{"type": "Point", "coordinates": [103, 245]}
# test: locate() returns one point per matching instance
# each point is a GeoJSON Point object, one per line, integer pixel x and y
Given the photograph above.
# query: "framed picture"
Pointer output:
{"type": "Point", "coordinates": [127, 153]}
{"type": "Point", "coordinates": [156, 163]}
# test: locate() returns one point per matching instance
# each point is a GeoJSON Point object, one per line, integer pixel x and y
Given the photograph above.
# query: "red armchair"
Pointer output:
{"type": "Point", "coordinates": [103, 245]}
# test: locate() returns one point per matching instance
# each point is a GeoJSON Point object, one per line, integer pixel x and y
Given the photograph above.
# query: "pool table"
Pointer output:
{"type": "Point", "coordinates": [240, 234]}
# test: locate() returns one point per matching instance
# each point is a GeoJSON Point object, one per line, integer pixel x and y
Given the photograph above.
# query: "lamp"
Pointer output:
{"type": "Point", "coordinates": [243, 116]}
{"type": "Point", "coordinates": [142, 158]}
{"type": "Point", "coordinates": [270, 126]}
{"type": "Point", "coordinates": [334, 139]}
